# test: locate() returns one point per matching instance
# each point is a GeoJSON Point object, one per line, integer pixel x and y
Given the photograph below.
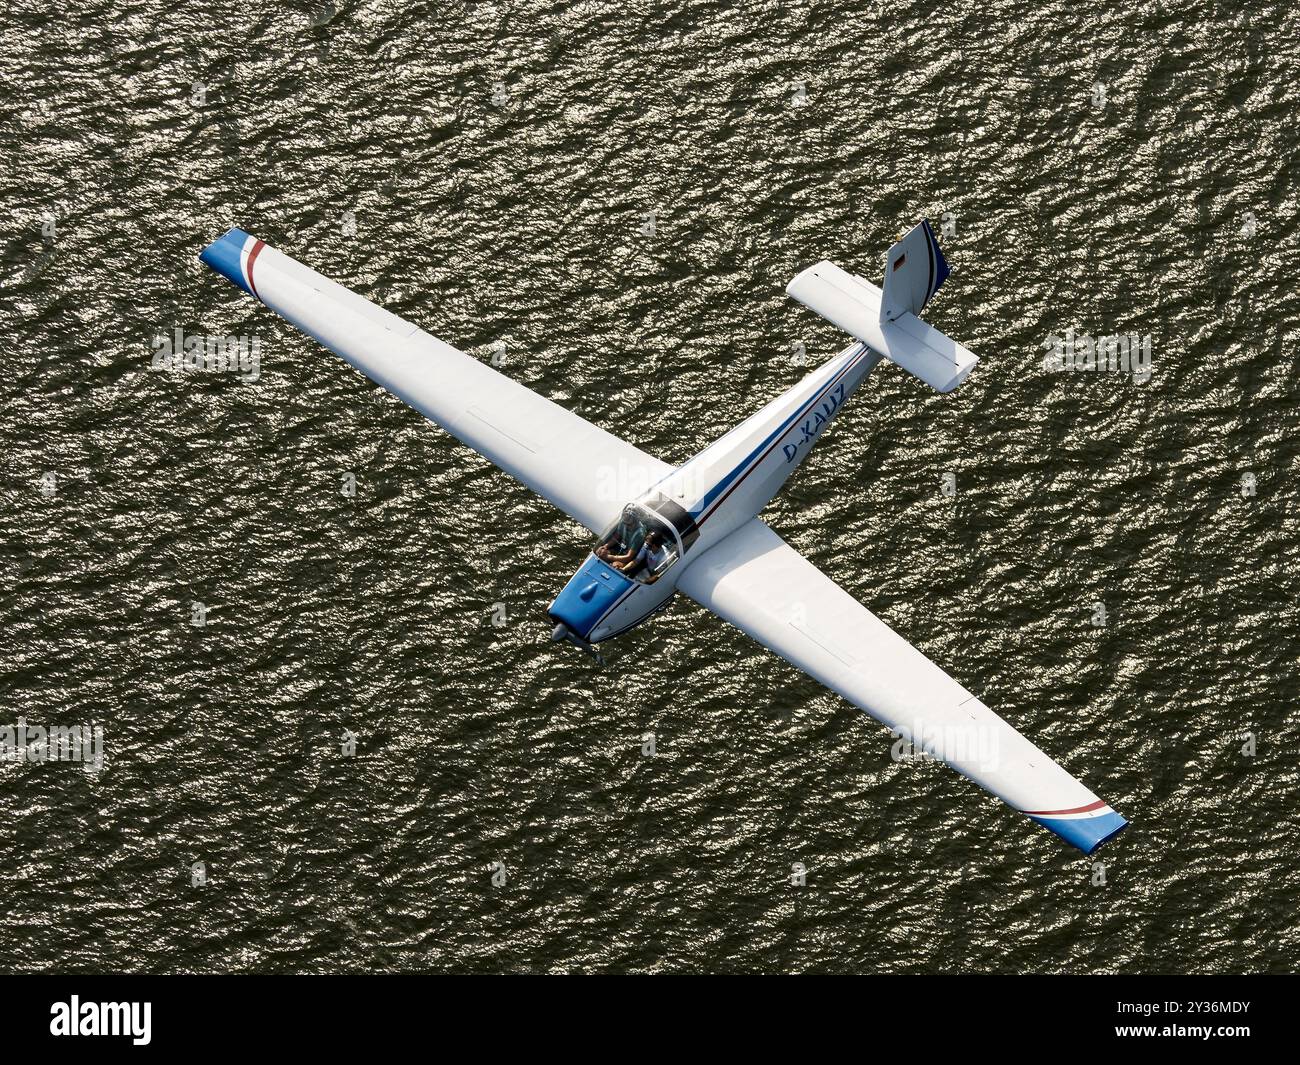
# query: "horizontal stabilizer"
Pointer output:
{"type": "Point", "coordinates": [854, 305]}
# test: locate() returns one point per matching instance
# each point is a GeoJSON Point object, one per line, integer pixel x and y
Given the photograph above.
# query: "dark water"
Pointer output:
{"type": "Point", "coordinates": [1120, 168]}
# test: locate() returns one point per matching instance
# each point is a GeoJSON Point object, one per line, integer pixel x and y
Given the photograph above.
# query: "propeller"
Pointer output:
{"type": "Point", "coordinates": [562, 633]}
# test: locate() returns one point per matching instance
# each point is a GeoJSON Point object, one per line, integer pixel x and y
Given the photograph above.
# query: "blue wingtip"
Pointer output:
{"type": "Point", "coordinates": [1086, 833]}
{"type": "Point", "coordinates": [223, 255]}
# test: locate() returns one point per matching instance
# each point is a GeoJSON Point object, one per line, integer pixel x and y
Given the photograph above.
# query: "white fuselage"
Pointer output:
{"type": "Point", "coordinates": [737, 475]}
{"type": "Point", "coordinates": [731, 480]}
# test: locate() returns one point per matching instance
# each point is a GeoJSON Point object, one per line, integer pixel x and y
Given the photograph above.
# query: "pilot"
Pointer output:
{"type": "Point", "coordinates": [619, 562]}
{"type": "Point", "coordinates": [622, 545]}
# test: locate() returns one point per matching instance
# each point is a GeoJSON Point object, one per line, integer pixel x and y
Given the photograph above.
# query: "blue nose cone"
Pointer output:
{"type": "Point", "coordinates": [591, 593]}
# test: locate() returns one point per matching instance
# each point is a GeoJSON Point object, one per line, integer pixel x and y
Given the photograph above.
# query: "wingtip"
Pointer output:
{"type": "Point", "coordinates": [227, 256]}
{"type": "Point", "coordinates": [1085, 833]}
{"type": "Point", "coordinates": [1119, 826]}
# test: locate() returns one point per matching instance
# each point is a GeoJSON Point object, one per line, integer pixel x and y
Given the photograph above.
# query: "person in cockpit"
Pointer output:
{"type": "Point", "coordinates": [622, 545]}
{"type": "Point", "coordinates": [653, 556]}
{"type": "Point", "coordinates": [618, 561]}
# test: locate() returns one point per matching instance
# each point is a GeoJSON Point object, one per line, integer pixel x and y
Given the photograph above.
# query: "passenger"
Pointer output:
{"type": "Point", "coordinates": [653, 556]}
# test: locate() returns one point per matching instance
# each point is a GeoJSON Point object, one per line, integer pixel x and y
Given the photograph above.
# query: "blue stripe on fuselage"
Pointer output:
{"type": "Point", "coordinates": [769, 443]}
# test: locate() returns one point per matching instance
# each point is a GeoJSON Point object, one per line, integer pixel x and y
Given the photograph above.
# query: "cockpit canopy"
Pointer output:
{"type": "Point", "coordinates": [639, 544]}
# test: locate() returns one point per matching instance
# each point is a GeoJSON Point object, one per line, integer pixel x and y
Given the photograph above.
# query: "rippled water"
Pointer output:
{"type": "Point", "coordinates": [618, 195]}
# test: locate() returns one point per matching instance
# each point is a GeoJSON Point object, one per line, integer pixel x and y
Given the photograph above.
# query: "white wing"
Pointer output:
{"type": "Point", "coordinates": [585, 471]}
{"type": "Point", "coordinates": [762, 585]}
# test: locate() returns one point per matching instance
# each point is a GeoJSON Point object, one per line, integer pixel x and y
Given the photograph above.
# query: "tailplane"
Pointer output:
{"type": "Point", "coordinates": [886, 320]}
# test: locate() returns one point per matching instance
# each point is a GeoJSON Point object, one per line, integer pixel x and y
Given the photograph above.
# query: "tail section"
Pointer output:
{"type": "Point", "coordinates": [914, 270]}
{"type": "Point", "coordinates": [886, 320]}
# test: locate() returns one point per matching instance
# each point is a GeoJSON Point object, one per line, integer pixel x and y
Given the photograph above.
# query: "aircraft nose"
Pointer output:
{"type": "Point", "coordinates": [588, 596]}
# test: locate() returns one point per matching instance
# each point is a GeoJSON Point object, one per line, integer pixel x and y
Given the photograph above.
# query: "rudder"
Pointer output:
{"type": "Point", "coordinates": [914, 270]}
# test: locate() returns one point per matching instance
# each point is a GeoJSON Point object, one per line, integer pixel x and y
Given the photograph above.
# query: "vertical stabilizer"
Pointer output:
{"type": "Point", "coordinates": [914, 270]}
